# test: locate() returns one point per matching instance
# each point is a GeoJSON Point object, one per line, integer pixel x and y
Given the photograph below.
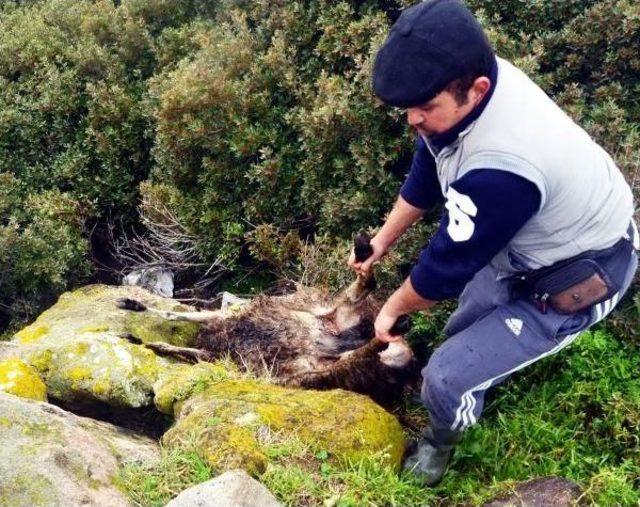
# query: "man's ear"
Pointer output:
{"type": "Point", "coordinates": [479, 89]}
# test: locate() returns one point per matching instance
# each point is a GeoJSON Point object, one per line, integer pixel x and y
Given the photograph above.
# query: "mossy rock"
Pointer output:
{"type": "Point", "coordinates": [180, 383]}
{"type": "Point", "coordinates": [92, 310]}
{"type": "Point", "coordinates": [20, 379]}
{"type": "Point", "coordinates": [232, 423]}
{"type": "Point", "coordinates": [79, 348]}
{"type": "Point", "coordinates": [106, 369]}
{"type": "Point", "coordinates": [152, 328]}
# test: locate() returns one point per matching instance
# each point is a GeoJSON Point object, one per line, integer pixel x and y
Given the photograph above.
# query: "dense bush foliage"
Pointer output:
{"type": "Point", "coordinates": [295, 134]}
{"type": "Point", "coordinates": [42, 247]}
{"type": "Point", "coordinates": [584, 55]}
{"type": "Point", "coordinates": [270, 121]}
{"type": "Point", "coordinates": [71, 115]}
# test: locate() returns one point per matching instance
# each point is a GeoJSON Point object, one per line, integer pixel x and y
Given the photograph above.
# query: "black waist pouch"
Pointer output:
{"type": "Point", "coordinates": [580, 282]}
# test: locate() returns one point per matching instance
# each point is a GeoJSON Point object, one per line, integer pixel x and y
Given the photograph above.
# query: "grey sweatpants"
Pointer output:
{"type": "Point", "coordinates": [492, 336]}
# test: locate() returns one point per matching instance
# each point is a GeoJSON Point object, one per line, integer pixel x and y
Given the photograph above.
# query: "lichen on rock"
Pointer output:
{"type": "Point", "coordinates": [106, 369]}
{"type": "Point", "coordinates": [232, 422]}
{"type": "Point", "coordinates": [153, 328]}
{"type": "Point", "coordinates": [79, 348]}
{"type": "Point", "coordinates": [20, 379]}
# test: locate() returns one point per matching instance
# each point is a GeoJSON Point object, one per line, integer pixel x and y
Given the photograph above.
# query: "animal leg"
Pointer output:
{"type": "Point", "coordinates": [354, 371]}
{"type": "Point", "coordinates": [313, 380]}
{"type": "Point", "coordinates": [190, 355]}
{"type": "Point", "coordinates": [204, 316]}
{"type": "Point", "coordinates": [137, 306]}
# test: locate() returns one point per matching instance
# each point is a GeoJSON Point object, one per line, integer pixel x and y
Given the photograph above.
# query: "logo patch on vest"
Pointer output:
{"type": "Point", "coordinates": [461, 210]}
{"type": "Point", "coordinates": [515, 325]}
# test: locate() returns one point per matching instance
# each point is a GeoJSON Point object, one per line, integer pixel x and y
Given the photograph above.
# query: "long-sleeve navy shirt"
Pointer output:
{"type": "Point", "coordinates": [485, 209]}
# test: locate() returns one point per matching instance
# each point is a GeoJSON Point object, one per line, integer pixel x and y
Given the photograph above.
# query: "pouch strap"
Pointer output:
{"type": "Point", "coordinates": [632, 235]}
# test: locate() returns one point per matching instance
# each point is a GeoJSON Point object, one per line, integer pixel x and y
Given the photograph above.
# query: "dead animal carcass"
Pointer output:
{"type": "Point", "coordinates": [303, 339]}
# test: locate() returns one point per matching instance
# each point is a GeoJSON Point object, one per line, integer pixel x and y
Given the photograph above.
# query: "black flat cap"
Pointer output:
{"type": "Point", "coordinates": [430, 45]}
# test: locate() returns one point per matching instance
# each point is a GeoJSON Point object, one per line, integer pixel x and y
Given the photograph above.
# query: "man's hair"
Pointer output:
{"type": "Point", "coordinates": [461, 86]}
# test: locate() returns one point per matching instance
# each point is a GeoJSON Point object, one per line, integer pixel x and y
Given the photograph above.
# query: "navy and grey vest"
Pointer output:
{"type": "Point", "coordinates": [585, 202]}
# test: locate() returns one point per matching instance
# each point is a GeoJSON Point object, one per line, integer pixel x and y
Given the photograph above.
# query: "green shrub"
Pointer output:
{"type": "Point", "coordinates": [73, 136]}
{"type": "Point", "coordinates": [271, 122]}
{"type": "Point", "coordinates": [582, 52]}
{"type": "Point", "coordinates": [71, 117]}
{"type": "Point", "coordinates": [42, 248]}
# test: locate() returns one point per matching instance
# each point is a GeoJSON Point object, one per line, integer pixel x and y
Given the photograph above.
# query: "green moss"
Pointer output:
{"type": "Point", "coordinates": [20, 379]}
{"type": "Point", "coordinates": [94, 329]}
{"type": "Point", "coordinates": [37, 429]}
{"type": "Point", "coordinates": [152, 328]}
{"type": "Point", "coordinates": [227, 447]}
{"type": "Point", "coordinates": [146, 364]}
{"type": "Point", "coordinates": [78, 374]}
{"type": "Point", "coordinates": [250, 414]}
{"type": "Point", "coordinates": [85, 292]}
{"type": "Point", "coordinates": [118, 373]}
{"type": "Point", "coordinates": [31, 490]}
{"type": "Point", "coordinates": [81, 348]}
{"type": "Point", "coordinates": [41, 360]}
{"type": "Point", "coordinates": [102, 387]}
{"type": "Point", "coordinates": [76, 345]}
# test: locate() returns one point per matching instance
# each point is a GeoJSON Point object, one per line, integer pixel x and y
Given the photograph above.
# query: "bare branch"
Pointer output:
{"type": "Point", "coordinates": [165, 243]}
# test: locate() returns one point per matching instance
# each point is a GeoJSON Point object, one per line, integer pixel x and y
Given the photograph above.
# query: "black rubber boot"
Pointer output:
{"type": "Point", "coordinates": [429, 460]}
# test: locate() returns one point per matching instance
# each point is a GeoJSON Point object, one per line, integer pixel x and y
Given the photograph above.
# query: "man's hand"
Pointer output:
{"type": "Point", "coordinates": [403, 301]}
{"type": "Point", "coordinates": [364, 268]}
{"type": "Point", "coordinates": [401, 217]}
{"type": "Point", "coordinates": [384, 323]}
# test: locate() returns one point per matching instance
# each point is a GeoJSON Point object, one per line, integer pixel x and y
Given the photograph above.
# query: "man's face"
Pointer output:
{"type": "Point", "coordinates": [438, 115]}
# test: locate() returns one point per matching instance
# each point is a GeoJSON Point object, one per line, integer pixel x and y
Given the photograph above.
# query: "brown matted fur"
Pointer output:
{"type": "Point", "coordinates": [305, 339]}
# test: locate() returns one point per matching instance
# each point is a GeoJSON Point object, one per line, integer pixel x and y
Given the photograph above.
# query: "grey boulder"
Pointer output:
{"type": "Point", "coordinates": [234, 488]}
{"type": "Point", "coordinates": [51, 457]}
{"type": "Point", "coordinates": [542, 492]}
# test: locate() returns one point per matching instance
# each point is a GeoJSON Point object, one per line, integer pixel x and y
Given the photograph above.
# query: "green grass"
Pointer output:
{"type": "Point", "coordinates": [575, 415]}
{"type": "Point", "coordinates": [154, 484]}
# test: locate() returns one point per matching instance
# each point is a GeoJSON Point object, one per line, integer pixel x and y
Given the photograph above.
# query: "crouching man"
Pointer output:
{"type": "Point", "coordinates": [537, 239]}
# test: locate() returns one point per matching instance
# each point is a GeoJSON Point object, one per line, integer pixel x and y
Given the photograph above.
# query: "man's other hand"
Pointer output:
{"type": "Point", "coordinates": [384, 323]}
{"type": "Point", "coordinates": [403, 301]}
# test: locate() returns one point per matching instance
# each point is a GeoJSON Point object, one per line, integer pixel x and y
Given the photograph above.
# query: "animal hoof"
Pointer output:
{"type": "Point", "coordinates": [130, 304]}
{"type": "Point", "coordinates": [396, 355]}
